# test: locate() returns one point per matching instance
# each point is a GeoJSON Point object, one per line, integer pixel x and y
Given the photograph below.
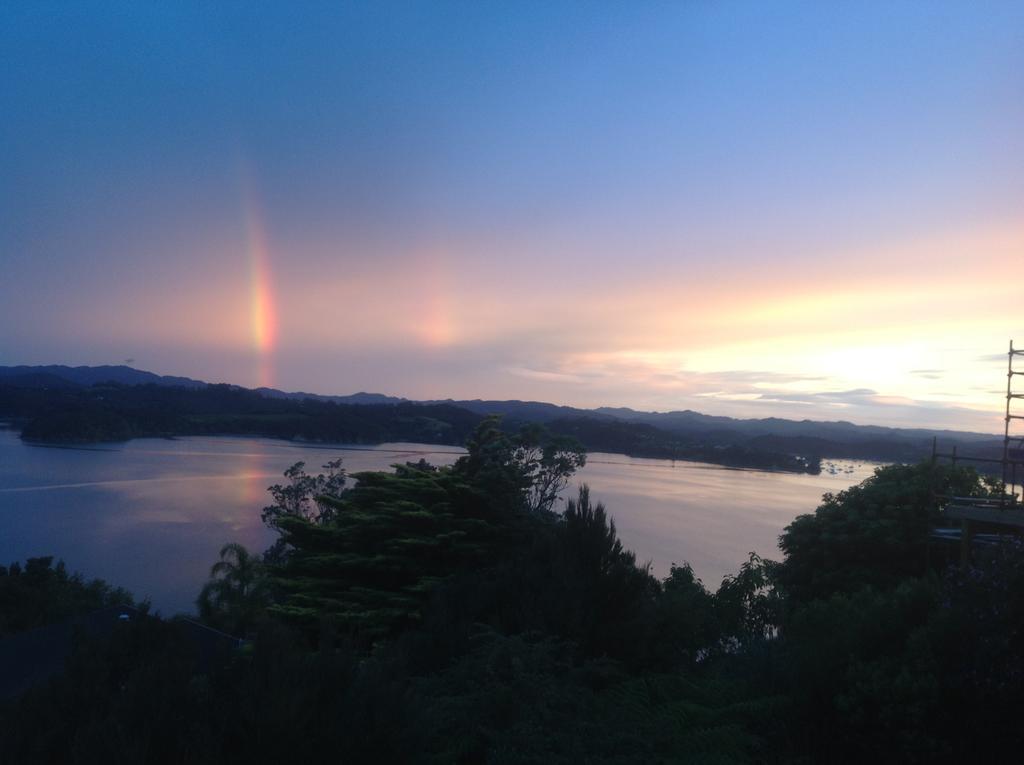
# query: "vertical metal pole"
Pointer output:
{"type": "Point", "coordinates": [931, 479]}
{"type": "Point", "coordinates": [1006, 427]}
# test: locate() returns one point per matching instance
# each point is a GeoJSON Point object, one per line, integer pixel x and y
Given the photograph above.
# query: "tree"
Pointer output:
{"type": "Point", "coordinates": [237, 593]}
{"type": "Point", "coordinates": [874, 534]}
{"type": "Point", "coordinates": [748, 605]}
{"type": "Point", "coordinates": [547, 462]}
{"type": "Point", "coordinates": [387, 542]}
{"type": "Point", "coordinates": [369, 559]}
{"type": "Point", "coordinates": [303, 496]}
{"type": "Point", "coordinates": [531, 466]}
{"type": "Point", "coordinates": [687, 621]}
{"type": "Point", "coordinates": [40, 593]}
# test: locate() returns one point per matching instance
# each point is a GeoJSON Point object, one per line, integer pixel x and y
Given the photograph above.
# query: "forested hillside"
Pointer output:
{"type": "Point", "coordinates": [459, 614]}
{"type": "Point", "coordinates": [58, 403]}
{"type": "Point", "coordinates": [51, 409]}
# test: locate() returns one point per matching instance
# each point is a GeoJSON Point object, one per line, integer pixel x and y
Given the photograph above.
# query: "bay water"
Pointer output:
{"type": "Point", "coordinates": [150, 515]}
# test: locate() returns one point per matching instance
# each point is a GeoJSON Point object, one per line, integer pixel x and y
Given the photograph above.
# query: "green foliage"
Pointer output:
{"type": "Point", "coordinates": [304, 496]}
{"type": "Point", "coordinates": [604, 600]}
{"type": "Point", "coordinates": [675, 719]}
{"type": "Point", "coordinates": [873, 534]}
{"type": "Point", "coordinates": [119, 700]}
{"type": "Point", "coordinates": [141, 696]}
{"type": "Point", "coordinates": [748, 605]}
{"type": "Point", "coordinates": [687, 621]}
{"type": "Point", "coordinates": [236, 597]}
{"type": "Point", "coordinates": [837, 648]}
{"type": "Point", "coordinates": [530, 467]}
{"type": "Point", "coordinates": [388, 542]}
{"type": "Point", "coordinates": [366, 560]}
{"type": "Point", "coordinates": [451, 621]}
{"type": "Point", "coordinates": [547, 462]}
{"type": "Point", "coordinates": [40, 593]}
{"type": "Point", "coordinates": [530, 699]}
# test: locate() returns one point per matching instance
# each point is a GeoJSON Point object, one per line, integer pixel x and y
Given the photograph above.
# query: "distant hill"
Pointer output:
{"type": "Point", "coordinates": [524, 411]}
{"type": "Point", "coordinates": [59, 376]}
{"type": "Point", "coordinates": [688, 421]}
{"type": "Point", "coordinates": [37, 376]}
{"type": "Point", "coordinates": [681, 434]}
{"type": "Point", "coordinates": [360, 398]}
{"type": "Point", "coordinates": [116, 412]}
{"type": "Point", "coordinates": [38, 380]}
{"type": "Point", "coordinates": [723, 431]}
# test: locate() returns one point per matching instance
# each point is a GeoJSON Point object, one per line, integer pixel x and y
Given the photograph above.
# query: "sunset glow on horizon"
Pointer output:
{"type": "Point", "coordinates": [743, 210]}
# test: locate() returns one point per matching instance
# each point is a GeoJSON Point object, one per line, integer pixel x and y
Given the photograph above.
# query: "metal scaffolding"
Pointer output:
{"type": "Point", "coordinates": [1004, 510]}
{"type": "Point", "coordinates": [1013, 445]}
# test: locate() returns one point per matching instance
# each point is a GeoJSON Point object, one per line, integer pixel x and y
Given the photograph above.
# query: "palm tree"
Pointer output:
{"type": "Point", "coordinates": [236, 594]}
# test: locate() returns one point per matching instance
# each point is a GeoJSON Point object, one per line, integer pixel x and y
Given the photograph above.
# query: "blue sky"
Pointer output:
{"type": "Point", "coordinates": [742, 208]}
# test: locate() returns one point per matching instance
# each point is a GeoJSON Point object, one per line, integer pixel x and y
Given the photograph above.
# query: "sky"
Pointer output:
{"type": "Point", "coordinates": [809, 210]}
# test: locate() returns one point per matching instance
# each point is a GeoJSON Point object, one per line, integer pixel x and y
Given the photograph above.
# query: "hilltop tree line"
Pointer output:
{"type": "Point", "coordinates": [113, 412]}
{"type": "Point", "coordinates": [121, 412]}
{"type": "Point", "coordinates": [465, 615]}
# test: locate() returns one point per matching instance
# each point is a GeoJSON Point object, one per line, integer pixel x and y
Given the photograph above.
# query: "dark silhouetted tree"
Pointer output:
{"type": "Point", "coordinates": [236, 596]}
{"type": "Point", "coordinates": [303, 496]}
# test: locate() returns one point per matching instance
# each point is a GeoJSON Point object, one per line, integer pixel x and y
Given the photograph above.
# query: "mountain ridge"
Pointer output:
{"type": "Point", "coordinates": [830, 437]}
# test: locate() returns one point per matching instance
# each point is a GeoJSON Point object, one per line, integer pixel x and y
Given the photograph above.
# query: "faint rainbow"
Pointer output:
{"type": "Point", "coordinates": [437, 325]}
{"type": "Point", "coordinates": [263, 319]}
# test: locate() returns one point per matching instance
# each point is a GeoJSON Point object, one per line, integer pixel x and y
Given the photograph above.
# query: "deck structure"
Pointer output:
{"type": "Point", "coordinates": [1004, 511]}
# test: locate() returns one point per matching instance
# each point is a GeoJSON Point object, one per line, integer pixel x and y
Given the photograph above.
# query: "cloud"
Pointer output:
{"type": "Point", "coordinates": [827, 398]}
{"type": "Point", "coordinates": [867, 405]}
{"type": "Point", "coordinates": [540, 374]}
{"type": "Point", "coordinates": [761, 376]}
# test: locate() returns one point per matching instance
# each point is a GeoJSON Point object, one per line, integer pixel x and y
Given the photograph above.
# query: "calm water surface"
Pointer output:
{"type": "Point", "coordinates": [150, 515]}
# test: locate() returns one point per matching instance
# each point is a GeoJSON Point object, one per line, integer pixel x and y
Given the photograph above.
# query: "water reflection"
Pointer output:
{"type": "Point", "coordinates": [151, 515]}
{"type": "Point", "coordinates": [707, 515]}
